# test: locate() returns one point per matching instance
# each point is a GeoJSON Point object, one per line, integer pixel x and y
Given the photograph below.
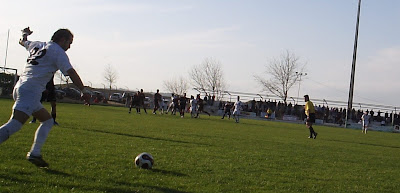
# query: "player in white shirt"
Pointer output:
{"type": "Point", "coordinates": [193, 107]}
{"type": "Point", "coordinates": [365, 122]}
{"type": "Point", "coordinates": [236, 111]}
{"type": "Point", "coordinates": [44, 60]}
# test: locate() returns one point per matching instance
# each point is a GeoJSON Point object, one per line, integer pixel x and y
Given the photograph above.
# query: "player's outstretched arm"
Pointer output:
{"type": "Point", "coordinates": [25, 33]}
{"type": "Point", "coordinates": [76, 79]}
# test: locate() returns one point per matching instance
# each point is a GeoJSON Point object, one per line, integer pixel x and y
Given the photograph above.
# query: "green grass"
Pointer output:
{"type": "Point", "coordinates": [94, 148]}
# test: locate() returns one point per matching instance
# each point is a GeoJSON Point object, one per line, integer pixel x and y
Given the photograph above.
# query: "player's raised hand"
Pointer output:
{"type": "Point", "coordinates": [26, 31]}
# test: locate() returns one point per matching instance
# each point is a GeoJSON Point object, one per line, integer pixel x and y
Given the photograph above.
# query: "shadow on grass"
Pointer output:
{"type": "Point", "coordinates": [165, 172]}
{"type": "Point", "coordinates": [121, 187]}
{"type": "Point", "coordinates": [55, 172]}
{"type": "Point", "coordinates": [375, 145]}
{"type": "Point", "coordinates": [144, 137]}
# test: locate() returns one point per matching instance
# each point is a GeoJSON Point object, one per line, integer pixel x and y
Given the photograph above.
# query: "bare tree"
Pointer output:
{"type": "Point", "coordinates": [282, 75]}
{"type": "Point", "coordinates": [59, 76]}
{"type": "Point", "coordinates": [110, 75]}
{"type": "Point", "coordinates": [177, 85]}
{"type": "Point", "coordinates": [209, 77]}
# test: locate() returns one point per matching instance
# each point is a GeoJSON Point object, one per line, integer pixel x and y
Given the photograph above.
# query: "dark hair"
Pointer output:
{"type": "Point", "coordinates": [306, 96]}
{"type": "Point", "coordinates": [61, 33]}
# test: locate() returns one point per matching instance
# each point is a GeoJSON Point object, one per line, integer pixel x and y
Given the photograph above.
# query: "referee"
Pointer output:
{"type": "Point", "coordinates": [310, 112]}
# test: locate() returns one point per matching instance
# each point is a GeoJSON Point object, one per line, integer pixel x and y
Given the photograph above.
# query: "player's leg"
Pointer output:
{"type": "Point", "coordinates": [46, 123]}
{"type": "Point", "coordinates": [54, 111]}
{"type": "Point", "coordinates": [13, 125]}
{"type": "Point", "coordinates": [33, 120]}
{"type": "Point", "coordinates": [25, 102]}
{"type": "Point", "coordinates": [309, 126]}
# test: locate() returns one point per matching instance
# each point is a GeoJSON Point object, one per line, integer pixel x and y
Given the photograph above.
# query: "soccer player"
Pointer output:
{"type": "Point", "coordinates": [49, 95]}
{"type": "Point", "coordinates": [182, 105]}
{"type": "Point", "coordinates": [157, 99]}
{"type": "Point", "coordinates": [200, 107]}
{"type": "Point", "coordinates": [310, 112]}
{"type": "Point", "coordinates": [44, 60]}
{"type": "Point", "coordinates": [141, 101]}
{"type": "Point", "coordinates": [135, 102]}
{"type": "Point", "coordinates": [227, 110]}
{"type": "Point", "coordinates": [236, 111]}
{"type": "Point", "coordinates": [193, 107]}
{"type": "Point", "coordinates": [365, 121]}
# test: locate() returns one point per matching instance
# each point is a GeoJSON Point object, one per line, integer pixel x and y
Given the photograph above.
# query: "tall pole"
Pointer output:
{"type": "Point", "coordinates": [5, 59]}
{"type": "Point", "coordinates": [299, 74]}
{"type": "Point", "coordinates": [353, 69]}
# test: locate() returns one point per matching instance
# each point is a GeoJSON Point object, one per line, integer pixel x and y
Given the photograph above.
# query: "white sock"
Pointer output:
{"type": "Point", "coordinates": [41, 136]}
{"type": "Point", "coordinates": [8, 129]}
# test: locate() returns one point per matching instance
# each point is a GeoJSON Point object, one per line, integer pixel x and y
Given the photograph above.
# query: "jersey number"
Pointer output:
{"type": "Point", "coordinates": [36, 54]}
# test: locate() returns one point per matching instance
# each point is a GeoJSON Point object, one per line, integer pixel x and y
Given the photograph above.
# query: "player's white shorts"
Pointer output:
{"type": "Point", "coordinates": [27, 101]}
{"type": "Point", "coordinates": [236, 112]}
{"type": "Point", "coordinates": [365, 123]}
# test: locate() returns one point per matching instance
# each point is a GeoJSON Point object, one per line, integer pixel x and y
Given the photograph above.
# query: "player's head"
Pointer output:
{"type": "Point", "coordinates": [306, 98]}
{"type": "Point", "coordinates": [64, 38]}
{"type": "Point", "coordinates": [238, 98]}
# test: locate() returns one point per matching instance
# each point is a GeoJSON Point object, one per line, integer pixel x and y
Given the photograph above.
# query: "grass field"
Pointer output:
{"type": "Point", "coordinates": [94, 147]}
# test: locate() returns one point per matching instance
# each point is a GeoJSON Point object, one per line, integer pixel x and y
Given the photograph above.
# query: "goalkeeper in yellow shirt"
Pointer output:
{"type": "Point", "coordinates": [310, 112]}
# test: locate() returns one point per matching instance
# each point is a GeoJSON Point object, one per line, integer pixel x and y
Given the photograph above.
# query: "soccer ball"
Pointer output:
{"type": "Point", "coordinates": [144, 160]}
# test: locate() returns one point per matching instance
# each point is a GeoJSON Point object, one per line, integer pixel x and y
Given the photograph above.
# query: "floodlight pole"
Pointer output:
{"type": "Point", "coordinates": [299, 74]}
{"type": "Point", "coordinates": [353, 69]}
{"type": "Point", "coordinates": [5, 59]}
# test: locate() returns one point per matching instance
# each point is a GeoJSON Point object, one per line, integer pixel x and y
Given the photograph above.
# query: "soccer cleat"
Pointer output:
{"type": "Point", "coordinates": [55, 123]}
{"type": "Point", "coordinates": [37, 160]}
{"type": "Point", "coordinates": [315, 135]}
{"type": "Point", "coordinates": [33, 121]}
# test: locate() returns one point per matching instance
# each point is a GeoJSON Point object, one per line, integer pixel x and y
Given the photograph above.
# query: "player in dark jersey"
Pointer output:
{"type": "Point", "coordinates": [227, 110]}
{"type": "Point", "coordinates": [157, 100]}
{"type": "Point", "coordinates": [141, 101]}
{"type": "Point", "coordinates": [200, 104]}
{"type": "Point", "coordinates": [182, 104]}
{"type": "Point", "coordinates": [135, 102]}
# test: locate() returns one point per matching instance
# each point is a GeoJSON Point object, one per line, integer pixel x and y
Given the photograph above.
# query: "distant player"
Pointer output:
{"type": "Point", "coordinates": [44, 60]}
{"type": "Point", "coordinates": [237, 106]}
{"type": "Point", "coordinates": [227, 110]}
{"type": "Point", "coordinates": [171, 104]}
{"type": "Point", "coordinates": [135, 102]}
{"type": "Point", "coordinates": [157, 99]}
{"type": "Point", "coordinates": [162, 105]}
{"type": "Point", "coordinates": [193, 107]}
{"type": "Point", "coordinates": [365, 118]}
{"type": "Point", "coordinates": [310, 112]}
{"type": "Point", "coordinates": [182, 105]}
{"type": "Point", "coordinates": [200, 106]}
{"type": "Point", "coordinates": [141, 101]}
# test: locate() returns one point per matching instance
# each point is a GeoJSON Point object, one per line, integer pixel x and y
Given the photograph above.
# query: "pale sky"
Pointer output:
{"type": "Point", "coordinates": [151, 41]}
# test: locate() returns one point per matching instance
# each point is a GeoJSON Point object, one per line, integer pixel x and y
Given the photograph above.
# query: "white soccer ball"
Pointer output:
{"type": "Point", "coordinates": [144, 160]}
